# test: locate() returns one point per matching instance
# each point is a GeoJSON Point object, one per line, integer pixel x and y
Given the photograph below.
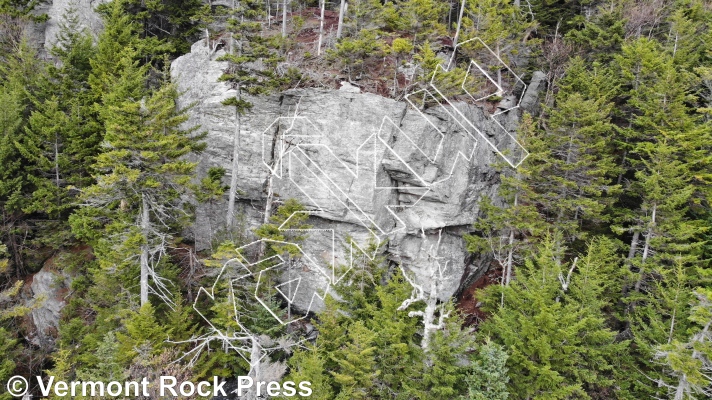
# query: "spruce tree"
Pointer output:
{"type": "Point", "coordinates": [488, 377]}
{"type": "Point", "coordinates": [308, 365]}
{"type": "Point", "coordinates": [141, 174]}
{"type": "Point", "coordinates": [64, 128]}
{"type": "Point", "coordinates": [356, 360]}
{"type": "Point", "coordinates": [689, 361]}
{"type": "Point", "coordinates": [553, 326]}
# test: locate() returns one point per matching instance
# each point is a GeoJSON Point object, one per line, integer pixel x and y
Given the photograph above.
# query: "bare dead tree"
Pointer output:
{"type": "Point", "coordinates": [321, 28]}
{"type": "Point", "coordinates": [434, 309]}
{"type": "Point", "coordinates": [342, 11]}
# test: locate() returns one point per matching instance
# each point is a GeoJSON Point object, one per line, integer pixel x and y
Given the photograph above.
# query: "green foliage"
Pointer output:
{"type": "Point", "coordinates": [285, 226]}
{"type": "Point", "coordinates": [143, 335]}
{"type": "Point", "coordinates": [356, 363]}
{"type": "Point", "coordinates": [488, 377]}
{"type": "Point", "coordinates": [401, 46]}
{"type": "Point", "coordinates": [602, 35]}
{"type": "Point", "coordinates": [558, 342]}
{"type": "Point", "coordinates": [177, 22]}
{"type": "Point", "coordinates": [19, 78]}
{"type": "Point", "coordinates": [108, 368]}
{"type": "Point", "coordinates": [353, 54]}
{"type": "Point", "coordinates": [615, 304]}
{"type": "Point", "coordinates": [688, 361]}
{"type": "Point", "coordinates": [211, 187]}
{"type": "Point", "coordinates": [368, 348]}
{"type": "Point", "coordinates": [428, 61]}
{"type": "Point", "coordinates": [307, 365]}
{"type": "Point", "coordinates": [21, 9]}
{"type": "Point", "coordinates": [8, 347]}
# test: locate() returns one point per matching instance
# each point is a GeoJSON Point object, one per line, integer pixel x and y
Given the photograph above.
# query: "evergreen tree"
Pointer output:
{"type": "Point", "coordinates": [573, 168]}
{"type": "Point", "coordinates": [64, 130]}
{"type": "Point", "coordinates": [142, 175]}
{"type": "Point", "coordinates": [307, 365]}
{"type": "Point", "coordinates": [143, 337]}
{"type": "Point", "coordinates": [662, 128]}
{"type": "Point", "coordinates": [488, 377]}
{"type": "Point", "coordinates": [177, 22]}
{"type": "Point", "coordinates": [501, 27]}
{"type": "Point", "coordinates": [117, 41]}
{"type": "Point", "coordinates": [553, 326]}
{"type": "Point", "coordinates": [689, 362]}
{"type": "Point", "coordinates": [356, 363]}
{"type": "Point", "coordinates": [109, 369]}
{"type": "Point", "coordinates": [661, 316]}
{"type": "Point", "coordinates": [509, 233]}
{"type": "Point", "coordinates": [19, 78]}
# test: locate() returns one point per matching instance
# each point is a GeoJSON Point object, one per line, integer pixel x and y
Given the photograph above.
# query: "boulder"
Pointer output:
{"type": "Point", "coordinates": [48, 291]}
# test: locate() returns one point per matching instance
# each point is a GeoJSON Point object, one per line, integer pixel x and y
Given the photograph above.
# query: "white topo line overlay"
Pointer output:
{"type": "Point", "coordinates": [294, 151]}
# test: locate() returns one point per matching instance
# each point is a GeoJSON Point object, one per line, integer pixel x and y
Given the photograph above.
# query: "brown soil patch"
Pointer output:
{"type": "Point", "coordinates": [468, 304]}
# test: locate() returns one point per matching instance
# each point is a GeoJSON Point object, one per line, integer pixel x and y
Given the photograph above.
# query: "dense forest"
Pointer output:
{"type": "Point", "coordinates": [600, 282]}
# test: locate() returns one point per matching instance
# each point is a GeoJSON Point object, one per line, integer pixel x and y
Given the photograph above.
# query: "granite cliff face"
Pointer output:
{"type": "Point", "coordinates": [44, 35]}
{"type": "Point", "coordinates": [366, 167]}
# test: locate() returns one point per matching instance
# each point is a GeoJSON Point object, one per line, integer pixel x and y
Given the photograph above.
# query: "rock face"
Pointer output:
{"type": "Point", "coordinates": [44, 35]}
{"type": "Point", "coordinates": [48, 289]}
{"type": "Point", "coordinates": [366, 167]}
{"type": "Point", "coordinates": [85, 13]}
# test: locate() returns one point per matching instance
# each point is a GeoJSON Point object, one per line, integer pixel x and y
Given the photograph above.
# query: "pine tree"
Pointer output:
{"type": "Point", "coordinates": [356, 361]}
{"type": "Point", "coordinates": [689, 361]}
{"type": "Point", "coordinates": [661, 317]}
{"type": "Point", "coordinates": [308, 365]}
{"type": "Point", "coordinates": [63, 130]}
{"type": "Point", "coordinates": [177, 22]}
{"type": "Point", "coordinates": [574, 167]}
{"type": "Point", "coordinates": [508, 233]}
{"type": "Point", "coordinates": [141, 174]}
{"type": "Point", "coordinates": [447, 358]}
{"type": "Point", "coordinates": [8, 346]}
{"type": "Point", "coordinates": [666, 157]}
{"type": "Point", "coordinates": [500, 26]}
{"type": "Point", "coordinates": [553, 326]}
{"type": "Point", "coordinates": [144, 335]}
{"type": "Point", "coordinates": [423, 17]}
{"type": "Point", "coordinates": [109, 368]}
{"type": "Point", "coordinates": [117, 41]}
{"type": "Point", "coordinates": [488, 377]}
{"type": "Point", "coordinates": [20, 8]}
{"type": "Point", "coordinates": [19, 79]}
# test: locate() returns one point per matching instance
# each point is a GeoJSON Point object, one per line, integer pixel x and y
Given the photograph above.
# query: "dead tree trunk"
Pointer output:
{"type": "Point", "coordinates": [145, 227]}
{"type": "Point", "coordinates": [321, 28]}
{"type": "Point", "coordinates": [433, 310]}
{"type": "Point", "coordinates": [255, 358]}
{"type": "Point", "coordinates": [457, 31]}
{"type": "Point", "coordinates": [342, 11]}
{"type": "Point", "coordinates": [646, 248]}
{"type": "Point", "coordinates": [235, 164]}
{"type": "Point", "coordinates": [284, 19]}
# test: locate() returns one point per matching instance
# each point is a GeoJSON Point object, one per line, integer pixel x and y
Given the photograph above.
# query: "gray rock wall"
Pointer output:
{"type": "Point", "coordinates": [44, 35]}
{"type": "Point", "coordinates": [367, 167]}
{"type": "Point", "coordinates": [47, 293]}
{"type": "Point", "coordinates": [85, 12]}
